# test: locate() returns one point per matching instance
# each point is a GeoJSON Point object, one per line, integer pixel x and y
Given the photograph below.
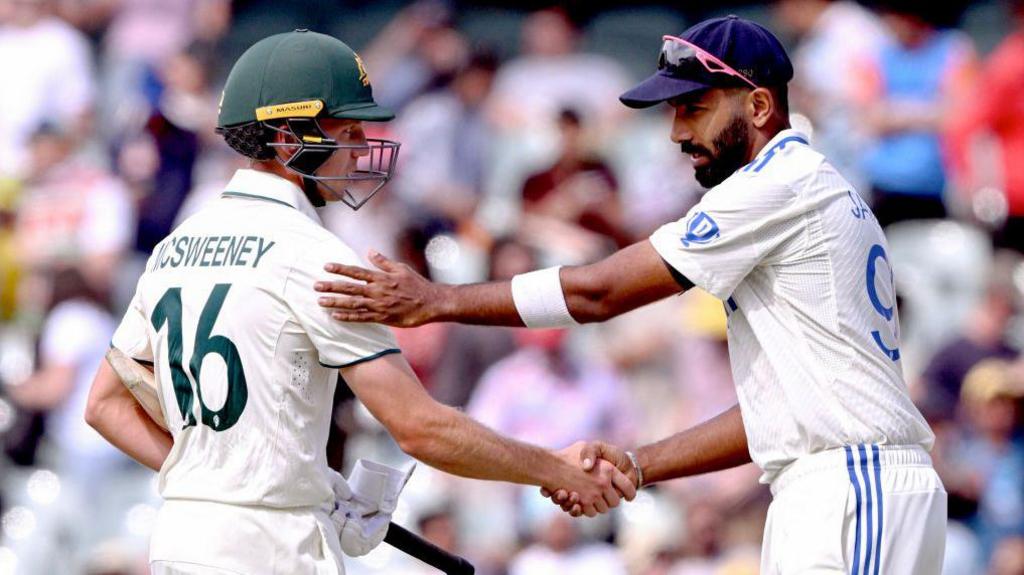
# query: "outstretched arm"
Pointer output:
{"type": "Point", "coordinates": [396, 295]}
{"type": "Point", "coordinates": [447, 439]}
{"type": "Point", "coordinates": [717, 444]}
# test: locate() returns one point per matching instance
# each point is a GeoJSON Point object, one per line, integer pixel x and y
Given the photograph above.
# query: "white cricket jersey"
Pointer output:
{"type": "Point", "coordinates": [803, 270]}
{"type": "Point", "coordinates": [245, 360]}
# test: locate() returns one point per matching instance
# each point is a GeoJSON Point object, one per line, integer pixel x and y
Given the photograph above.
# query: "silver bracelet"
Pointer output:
{"type": "Point", "coordinates": [636, 467]}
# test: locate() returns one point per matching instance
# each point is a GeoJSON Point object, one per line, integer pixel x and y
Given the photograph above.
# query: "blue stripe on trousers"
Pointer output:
{"type": "Point", "coordinates": [878, 493]}
{"type": "Point", "coordinates": [856, 488]}
{"type": "Point", "coordinates": [870, 505]}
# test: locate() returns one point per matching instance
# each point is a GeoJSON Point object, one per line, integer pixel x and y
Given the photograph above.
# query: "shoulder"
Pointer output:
{"type": "Point", "coordinates": [314, 246]}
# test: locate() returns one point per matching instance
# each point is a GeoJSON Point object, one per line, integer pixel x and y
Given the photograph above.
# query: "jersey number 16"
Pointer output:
{"type": "Point", "coordinates": [168, 310]}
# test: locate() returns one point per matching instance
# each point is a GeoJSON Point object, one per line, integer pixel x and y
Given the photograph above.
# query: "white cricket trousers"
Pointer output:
{"type": "Point", "coordinates": [206, 538]}
{"type": "Point", "coordinates": [858, 510]}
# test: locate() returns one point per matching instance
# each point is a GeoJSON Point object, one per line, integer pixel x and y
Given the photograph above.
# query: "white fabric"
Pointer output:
{"type": "Point", "coordinates": [47, 76]}
{"type": "Point", "coordinates": [539, 299]}
{"type": "Point", "coordinates": [891, 496]}
{"type": "Point", "coordinates": [205, 538]}
{"type": "Point", "coordinates": [76, 334]}
{"type": "Point", "coordinates": [288, 347]}
{"type": "Point", "coordinates": [801, 265]}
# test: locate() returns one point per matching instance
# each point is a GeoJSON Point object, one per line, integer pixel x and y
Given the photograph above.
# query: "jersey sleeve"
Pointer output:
{"type": "Point", "coordinates": [735, 227]}
{"type": "Point", "coordinates": [339, 344]}
{"type": "Point", "coordinates": [132, 334]}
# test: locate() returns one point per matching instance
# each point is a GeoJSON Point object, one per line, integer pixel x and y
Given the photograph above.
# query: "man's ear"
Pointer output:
{"type": "Point", "coordinates": [761, 106]}
{"type": "Point", "coordinates": [282, 136]}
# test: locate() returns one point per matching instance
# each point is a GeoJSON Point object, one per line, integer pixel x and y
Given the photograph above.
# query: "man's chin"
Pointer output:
{"type": "Point", "coordinates": [709, 176]}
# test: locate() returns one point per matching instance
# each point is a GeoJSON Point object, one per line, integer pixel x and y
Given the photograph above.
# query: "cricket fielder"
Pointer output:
{"type": "Point", "coordinates": [803, 271]}
{"type": "Point", "coordinates": [246, 363]}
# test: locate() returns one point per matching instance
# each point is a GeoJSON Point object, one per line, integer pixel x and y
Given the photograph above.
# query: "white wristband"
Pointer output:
{"type": "Point", "coordinates": [539, 299]}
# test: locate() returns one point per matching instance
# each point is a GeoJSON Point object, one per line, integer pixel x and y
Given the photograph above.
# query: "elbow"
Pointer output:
{"type": "Point", "coordinates": [95, 410]}
{"type": "Point", "coordinates": [421, 435]}
{"type": "Point", "coordinates": [588, 294]}
{"type": "Point", "coordinates": [591, 305]}
{"type": "Point", "coordinates": [416, 443]}
{"type": "Point", "coordinates": [93, 413]}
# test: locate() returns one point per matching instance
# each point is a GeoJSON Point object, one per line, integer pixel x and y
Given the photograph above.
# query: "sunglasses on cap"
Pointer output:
{"type": "Point", "coordinates": [684, 59]}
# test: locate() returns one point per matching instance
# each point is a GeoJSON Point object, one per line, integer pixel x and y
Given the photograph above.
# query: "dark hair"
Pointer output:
{"type": "Point", "coordinates": [251, 140]}
{"type": "Point", "coordinates": [780, 94]}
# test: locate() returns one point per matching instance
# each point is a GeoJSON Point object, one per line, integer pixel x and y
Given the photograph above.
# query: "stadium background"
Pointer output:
{"type": "Point", "coordinates": [515, 153]}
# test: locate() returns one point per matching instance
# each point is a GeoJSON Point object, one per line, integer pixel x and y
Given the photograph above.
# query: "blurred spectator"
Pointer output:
{"type": "Point", "coordinates": [578, 189]}
{"type": "Point", "coordinates": [700, 548]}
{"type": "Point", "coordinates": [1008, 558]}
{"type": "Point", "coordinates": [996, 107]}
{"type": "Point", "coordinates": [558, 550]}
{"type": "Point", "coordinates": [416, 52]}
{"type": "Point", "coordinates": [472, 349]}
{"type": "Point", "coordinates": [438, 527]}
{"type": "Point", "coordinates": [47, 74]}
{"type": "Point", "coordinates": [71, 212]}
{"type": "Point", "coordinates": [551, 74]}
{"type": "Point", "coordinates": [9, 191]}
{"type": "Point", "coordinates": [445, 138]}
{"type": "Point", "coordinates": [544, 395]}
{"type": "Point", "coordinates": [988, 466]}
{"type": "Point", "coordinates": [141, 36]}
{"type": "Point", "coordinates": [88, 470]}
{"type": "Point", "coordinates": [908, 90]}
{"type": "Point", "coordinates": [171, 137]}
{"type": "Point", "coordinates": [984, 336]}
{"type": "Point", "coordinates": [72, 343]}
{"type": "Point", "coordinates": [836, 38]}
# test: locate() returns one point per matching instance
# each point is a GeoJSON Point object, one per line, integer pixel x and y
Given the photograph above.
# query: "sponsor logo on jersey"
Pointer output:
{"type": "Point", "coordinates": [701, 229]}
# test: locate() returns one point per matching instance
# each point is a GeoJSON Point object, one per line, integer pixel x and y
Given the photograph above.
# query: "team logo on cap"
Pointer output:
{"type": "Point", "coordinates": [701, 229]}
{"type": "Point", "coordinates": [363, 76]}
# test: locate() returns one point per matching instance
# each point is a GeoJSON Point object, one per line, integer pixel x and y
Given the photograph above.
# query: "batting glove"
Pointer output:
{"type": "Point", "coordinates": [362, 518]}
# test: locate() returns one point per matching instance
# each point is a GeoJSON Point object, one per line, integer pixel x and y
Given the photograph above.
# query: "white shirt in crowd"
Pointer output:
{"type": "Point", "coordinates": [47, 76]}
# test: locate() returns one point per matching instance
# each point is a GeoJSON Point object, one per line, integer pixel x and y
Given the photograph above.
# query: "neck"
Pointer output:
{"type": "Point", "coordinates": [277, 168]}
{"type": "Point", "coordinates": [763, 136]}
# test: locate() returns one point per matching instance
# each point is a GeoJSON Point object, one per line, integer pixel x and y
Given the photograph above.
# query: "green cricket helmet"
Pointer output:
{"type": "Point", "coordinates": [285, 83]}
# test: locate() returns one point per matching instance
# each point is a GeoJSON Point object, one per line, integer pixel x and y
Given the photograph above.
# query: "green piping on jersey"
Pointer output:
{"type": "Point", "coordinates": [255, 197]}
{"type": "Point", "coordinates": [363, 359]}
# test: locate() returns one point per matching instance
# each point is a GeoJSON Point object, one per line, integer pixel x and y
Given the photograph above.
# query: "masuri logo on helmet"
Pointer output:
{"type": "Point", "coordinates": [283, 83]}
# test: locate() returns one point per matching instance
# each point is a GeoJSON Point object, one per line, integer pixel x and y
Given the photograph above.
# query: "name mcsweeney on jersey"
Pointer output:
{"type": "Point", "coordinates": [211, 251]}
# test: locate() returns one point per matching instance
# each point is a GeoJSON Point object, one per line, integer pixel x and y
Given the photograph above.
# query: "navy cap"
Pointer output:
{"type": "Point", "coordinates": [747, 47]}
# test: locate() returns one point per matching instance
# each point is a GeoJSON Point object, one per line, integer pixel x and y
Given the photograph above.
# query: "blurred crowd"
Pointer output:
{"type": "Point", "coordinates": [515, 154]}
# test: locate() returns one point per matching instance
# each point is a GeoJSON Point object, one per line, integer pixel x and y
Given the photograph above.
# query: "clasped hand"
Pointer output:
{"type": "Point", "coordinates": [603, 476]}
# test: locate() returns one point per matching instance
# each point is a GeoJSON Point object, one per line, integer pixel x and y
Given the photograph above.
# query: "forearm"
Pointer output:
{"type": "Point", "coordinates": [453, 442]}
{"type": "Point", "coordinates": [628, 279]}
{"type": "Point", "coordinates": [117, 416]}
{"type": "Point", "coordinates": [717, 444]}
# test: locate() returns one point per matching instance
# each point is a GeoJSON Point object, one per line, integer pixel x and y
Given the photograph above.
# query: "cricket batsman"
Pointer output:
{"type": "Point", "coordinates": [245, 363]}
{"type": "Point", "coordinates": [803, 271]}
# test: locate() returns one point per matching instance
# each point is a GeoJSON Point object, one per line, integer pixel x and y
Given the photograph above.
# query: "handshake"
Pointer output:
{"type": "Point", "coordinates": [602, 476]}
